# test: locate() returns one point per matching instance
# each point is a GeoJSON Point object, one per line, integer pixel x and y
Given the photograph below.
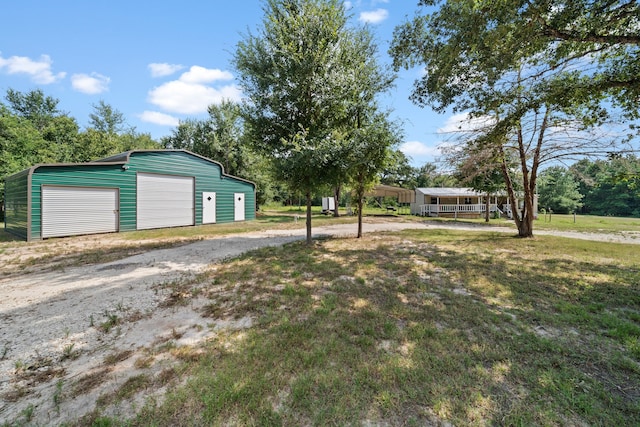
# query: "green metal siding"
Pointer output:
{"type": "Point", "coordinates": [111, 176]}
{"type": "Point", "coordinates": [208, 177]}
{"type": "Point", "coordinates": [17, 204]}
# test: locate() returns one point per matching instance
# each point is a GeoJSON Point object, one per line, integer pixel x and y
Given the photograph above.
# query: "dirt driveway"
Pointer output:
{"type": "Point", "coordinates": [73, 336]}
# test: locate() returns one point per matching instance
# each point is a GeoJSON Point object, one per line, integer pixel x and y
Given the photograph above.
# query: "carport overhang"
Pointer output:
{"type": "Point", "coordinates": [402, 194]}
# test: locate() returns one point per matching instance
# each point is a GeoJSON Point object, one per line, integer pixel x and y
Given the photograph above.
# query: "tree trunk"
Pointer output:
{"type": "Point", "coordinates": [336, 200]}
{"type": "Point", "coordinates": [359, 218]}
{"type": "Point", "coordinates": [525, 229]}
{"type": "Point", "coordinates": [524, 223]}
{"type": "Point", "coordinates": [486, 208]}
{"type": "Point", "coordinates": [309, 239]}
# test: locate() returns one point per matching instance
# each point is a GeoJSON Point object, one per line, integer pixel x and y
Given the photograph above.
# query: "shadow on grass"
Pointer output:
{"type": "Point", "coordinates": [415, 330]}
{"type": "Point", "coordinates": [8, 237]}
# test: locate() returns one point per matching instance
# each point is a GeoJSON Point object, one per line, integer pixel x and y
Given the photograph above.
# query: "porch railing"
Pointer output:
{"type": "Point", "coordinates": [426, 210]}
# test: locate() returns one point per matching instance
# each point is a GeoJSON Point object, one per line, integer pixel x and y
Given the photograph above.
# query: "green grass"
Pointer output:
{"type": "Point", "coordinates": [589, 223]}
{"type": "Point", "coordinates": [417, 328]}
{"type": "Point", "coordinates": [584, 223]}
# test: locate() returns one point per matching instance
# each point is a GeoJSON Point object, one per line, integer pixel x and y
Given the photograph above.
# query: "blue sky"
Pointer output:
{"type": "Point", "coordinates": [160, 62]}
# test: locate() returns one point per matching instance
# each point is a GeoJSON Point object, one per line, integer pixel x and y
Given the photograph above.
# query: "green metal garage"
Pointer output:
{"type": "Point", "coordinates": [135, 190]}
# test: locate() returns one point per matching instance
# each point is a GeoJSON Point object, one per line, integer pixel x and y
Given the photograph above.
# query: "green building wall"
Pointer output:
{"type": "Point", "coordinates": [16, 204]}
{"type": "Point", "coordinates": [115, 172]}
{"type": "Point", "coordinates": [208, 178]}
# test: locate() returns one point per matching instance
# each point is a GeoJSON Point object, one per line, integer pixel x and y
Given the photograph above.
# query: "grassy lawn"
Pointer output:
{"type": "Point", "coordinates": [416, 328]}
{"type": "Point", "coordinates": [589, 223]}
{"type": "Point", "coordinates": [584, 223]}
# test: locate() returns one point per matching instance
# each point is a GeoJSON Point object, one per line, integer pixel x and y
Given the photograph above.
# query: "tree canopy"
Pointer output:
{"type": "Point", "coordinates": [33, 130]}
{"type": "Point", "coordinates": [610, 186]}
{"type": "Point", "coordinates": [310, 80]}
{"type": "Point", "coordinates": [576, 51]}
{"type": "Point", "coordinates": [532, 70]}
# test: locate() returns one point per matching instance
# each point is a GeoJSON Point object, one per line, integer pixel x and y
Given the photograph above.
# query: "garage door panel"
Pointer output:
{"type": "Point", "coordinates": [164, 201]}
{"type": "Point", "coordinates": [69, 211]}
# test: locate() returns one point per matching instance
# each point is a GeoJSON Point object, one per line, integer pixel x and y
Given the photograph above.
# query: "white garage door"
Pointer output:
{"type": "Point", "coordinates": [164, 201]}
{"type": "Point", "coordinates": [68, 211]}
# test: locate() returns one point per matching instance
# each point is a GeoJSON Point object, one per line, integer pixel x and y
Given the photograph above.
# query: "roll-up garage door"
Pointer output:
{"type": "Point", "coordinates": [164, 201]}
{"type": "Point", "coordinates": [68, 211]}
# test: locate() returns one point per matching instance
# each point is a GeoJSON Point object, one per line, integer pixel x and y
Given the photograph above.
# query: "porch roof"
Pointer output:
{"type": "Point", "coordinates": [448, 192]}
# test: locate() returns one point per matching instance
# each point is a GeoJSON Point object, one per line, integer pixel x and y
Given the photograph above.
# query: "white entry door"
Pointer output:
{"type": "Point", "coordinates": [208, 207]}
{"type": "Point", "coordinates": [238, 207]}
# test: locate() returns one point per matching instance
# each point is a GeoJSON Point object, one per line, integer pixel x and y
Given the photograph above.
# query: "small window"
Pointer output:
{"type": "Point", "coordinates": [434, 200]}
{"type": "Point", "coordinates": [467, 200]}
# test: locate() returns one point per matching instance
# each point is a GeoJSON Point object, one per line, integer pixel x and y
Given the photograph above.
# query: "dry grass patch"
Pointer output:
{"type": "Point", "coordinates": [143, 362]}
{"type": "Point", "coordinates": [415, 328]}
{"type": "Point", "coordinates": [88, 382]}
{"type": "Point", "coordinates": [127, 390]}
{"type": "Point", "coordinates": [115, 358]}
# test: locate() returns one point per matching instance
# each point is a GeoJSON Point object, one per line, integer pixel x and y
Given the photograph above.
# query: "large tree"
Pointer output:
{"type": "Point", "coordinates": [471, 43]}
{"type": "Point", "coordinates": [108, 133]}
{"type": "Point", "coordinates": [106, 119]}
{"type": "Point", "coordinates": [398, 171]}
{"type": "Point", "coordinates": [42, 113]}
{"type": "Point", "coordinates": [533, 67]}
{"type": "Point", "coordinates": [365, 79]}
{"type": "Point", "coordinates": [219, 137]}
{"type": "Point", "coordinates": [298, 74]}
{"type": "Point", "coordinates": [33, 130]}
{"type": "Point", "coordinates": [21, 145]}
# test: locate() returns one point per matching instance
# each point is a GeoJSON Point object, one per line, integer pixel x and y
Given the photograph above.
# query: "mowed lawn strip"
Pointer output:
{"type": "Point", "coordinates": [559, 222]}
{"type": "Point", "coordinates": [415, 328]}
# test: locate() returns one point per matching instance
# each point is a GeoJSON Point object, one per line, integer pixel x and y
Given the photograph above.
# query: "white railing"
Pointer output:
{"type": "Point", "coordinates": [426, 210]}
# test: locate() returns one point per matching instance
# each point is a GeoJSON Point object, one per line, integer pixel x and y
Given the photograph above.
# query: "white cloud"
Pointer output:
{"type": "Point", "coordinates": [463, 123]}
{"type": "Point", "coordinates": [374, 16]}
{"type": "Point", "coordinates": [164, 69]}
{"type": "Point", "coordinates": [191, 93]}
{"type": "Point", "coordinates": [185, 98]}
{"type": "Point", "coordinates": [159, 118]}
{"type": "Point", "coordinates": [197, 74]}
{"type": "Point", "coordinates": [417, 148]}
{"type": "Point", "coordinates": [90, 84]}
{"type": "Point", "coordinates": [40, 71]}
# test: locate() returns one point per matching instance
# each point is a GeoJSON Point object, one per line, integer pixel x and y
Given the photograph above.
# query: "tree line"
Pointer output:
{"type": "Point", "coordinates": [596, 187]}
{"type": "Point", "coordinates": [34, 130]}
